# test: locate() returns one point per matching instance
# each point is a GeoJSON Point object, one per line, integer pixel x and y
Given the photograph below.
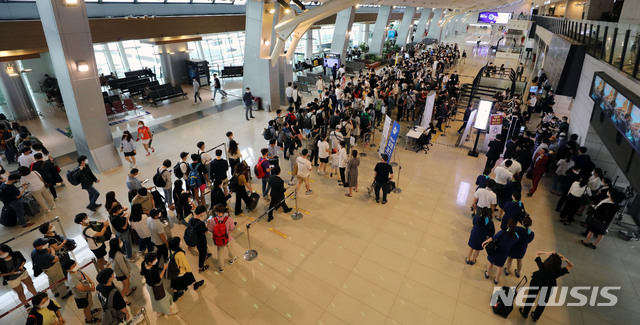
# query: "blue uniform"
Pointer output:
{"type": "Point", "coordinates": [507, 192]}
{"type": "Point", "coordinates": [481, 181]}
{"type": "Point", "coordinates": [512, 210]}
{"type": "Point", "coordinates": [478, 232]}
{"type": "Point", "coordinates": [504, 246]}
{"type": "Point", "coordinates": [518, 249]}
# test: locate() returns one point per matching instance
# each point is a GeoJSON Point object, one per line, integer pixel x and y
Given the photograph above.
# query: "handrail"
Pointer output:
{"type": "Point", "coordinates": [250, 224]}
{"type": "Point", "coordinates": [24, 233]}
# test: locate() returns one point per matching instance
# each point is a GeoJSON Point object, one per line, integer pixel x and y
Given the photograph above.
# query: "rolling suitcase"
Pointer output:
{"type": "Point", "coordinates": [253, 201]}
{"type": "Point", "coordinates": [500, 308]}
{"type": "Point", "coordinates": [31, 206]}
{"type": "Point", "coordinates": [8, 217]}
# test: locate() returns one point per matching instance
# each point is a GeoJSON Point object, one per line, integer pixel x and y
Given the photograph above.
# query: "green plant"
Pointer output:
{"type": "Point", "coordinates": [372, 57]}
{"type": "Point", "coordinates": [69, 134]}
{"type": "Point", "coordinates": [364, 48]}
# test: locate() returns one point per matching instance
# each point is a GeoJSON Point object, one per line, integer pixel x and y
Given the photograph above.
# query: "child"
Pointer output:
{"type": "Point", "coordinates": [221, 226]}
{"type": "Point", "coordinates": [334, 162]}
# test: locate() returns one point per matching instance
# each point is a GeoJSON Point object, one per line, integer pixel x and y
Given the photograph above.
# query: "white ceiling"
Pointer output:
{"type": "Point", "coordinates": [450, 4]}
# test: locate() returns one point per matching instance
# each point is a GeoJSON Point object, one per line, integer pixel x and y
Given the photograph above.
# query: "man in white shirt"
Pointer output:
{"type": "Point", "coordinates": [26, 158]}
{"type": "Point", "coordinates": [320, 85]}
{"type": "Point", "coordinates": [503, 175]}
{"type": "Point", "coordinates": [339, 96]}
{"type": "Point", "coordinates": [304, 171]}
{"type": "Point", "coordinates": [288, 92]}
{"type": "Point", "coordinates": [485, 199]}
{"type": "Point", "coordinates": [515, 167]}
{"type": "Point", "coordinates": [341, 71]}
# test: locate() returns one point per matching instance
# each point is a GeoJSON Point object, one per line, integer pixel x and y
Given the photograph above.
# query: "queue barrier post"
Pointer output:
{"type": "Point", "coordinates": [296, 215]}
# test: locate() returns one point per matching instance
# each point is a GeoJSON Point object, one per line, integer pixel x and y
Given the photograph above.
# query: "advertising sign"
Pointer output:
{"type": "Point", "coordinates": [492, 17]}
{"type": "Point", "coordinates": [495, 128]}
{"type": "Point", "coordinates": [385, 134]}
{"type": "Point", "coordinates": [428, 109]}
{"type": "Point", "coordinates": [393, 139]}
{"type": "Point", "coordinates": [484, 111]}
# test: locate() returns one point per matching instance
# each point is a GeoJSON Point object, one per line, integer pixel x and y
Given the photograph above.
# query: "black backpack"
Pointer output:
{"type": "Point", "coordinates": [319, 118]}
{"type": "Point", "coordinates": [173, 271]}
{"type": "Point", "coordinates": [233, 183]}
{"type": "Point", "coordinates": [269, 133]}
{"type": "Point", "coordinates": [190, 236]}
{"type": "Point", "coordinates": [334, 121]}
{"type": "Point", "coordinates": [306, 122]}
{"type": "Point", "coordinates": [72, 176]}
{"type": "Point", "coordinates": [178, 171]}
{"type": "Point", "coordinates": [158, 180]}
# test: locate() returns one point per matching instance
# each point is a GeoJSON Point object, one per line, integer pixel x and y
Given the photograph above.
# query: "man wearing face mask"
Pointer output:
{"type": "Point", "coordinates": [60, 244]}
{"type": "Point", "coordinates": [110, 297]}
{"type": "Point", "coordinates": [12, 197]}
{"type": "Point", "coordinates": [44, 258]}
{"type": "Point", "coordinates": [94, 238]}
{"type": "Point", "coordinates": [46, 311]}
{"type": "Point", "coordinates": [81, 286]}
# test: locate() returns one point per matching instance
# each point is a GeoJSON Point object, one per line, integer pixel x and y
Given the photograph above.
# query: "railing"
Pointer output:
{"type": "Point", "coordinates": [614, 43]}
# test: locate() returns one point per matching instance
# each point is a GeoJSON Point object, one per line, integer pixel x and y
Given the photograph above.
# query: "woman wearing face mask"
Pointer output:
{"type": "Point", "coordinates": [120, 222]}
{"type": "Point", "coordinates": [185, 276]}
{"type": "Point", "coordinates": [160, 301]}
{"type": "Point", "coordinates": [120, 266]}
{"type": "Point", "coordinates": [13, 271]}
{"type": "Point", "coordinates": [45, 312]}
{"type": "Point", "coordinates": [145, 135]}
{"type": "Point", "coordinates": [82, 287]}
{"type": "Point", "coordinates": [60, 244]}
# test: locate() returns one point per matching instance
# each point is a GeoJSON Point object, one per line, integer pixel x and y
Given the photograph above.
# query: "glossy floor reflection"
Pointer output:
{"type": "Point", "coordinates": [349, 260]}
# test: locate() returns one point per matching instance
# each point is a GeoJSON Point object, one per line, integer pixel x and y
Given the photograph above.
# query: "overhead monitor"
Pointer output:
{"type": "Point", "coordinates": [492, 17]}
{"type": "Point", "coordinates": [484, 112]}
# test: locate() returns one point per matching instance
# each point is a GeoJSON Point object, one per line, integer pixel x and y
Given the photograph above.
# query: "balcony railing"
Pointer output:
{"type": "Point", "coordinates": [614, 43]}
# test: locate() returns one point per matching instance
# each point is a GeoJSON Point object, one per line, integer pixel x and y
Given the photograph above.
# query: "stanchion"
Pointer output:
{"type": "Point", "coordinates": [296, 215]}
{"type": "Point", "coordinates": [31, 230]}
{"type": "Point", "coordinates": [398, 189]}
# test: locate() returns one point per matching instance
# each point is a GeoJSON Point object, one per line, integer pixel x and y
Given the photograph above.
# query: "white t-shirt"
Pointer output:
{"type": "Point", "coordinates": [141, 227]}
{"type": "Point", "coordinates": [503, 175]}
{"type": "Point", "coordinates": [485, 198]}
{"type": "Point", "coordinates": [342, 158]}
{"type": "Point", "coordinates": [515, 167]}
{"type": "Point", "coordinates": [578, 191]}
{"type": "Point", "coordinates": [288, 92]}
{"type": "Point", "coordinates": [335, 138]}
{"type": "Point", "coordinates": [204, 157]}
{"type": "Point", "coordinates": [323, 146]}
{"type": "Point", "coordinates": [304, 166]}
{"type": "Point", "coordinates": [35, 184]}
{"type": "Point", "coordinates": [155, 229]}
{"type": "Point", "coordinates": [26, 161]}
{"type": "Point", "coordinates": [564, 166]}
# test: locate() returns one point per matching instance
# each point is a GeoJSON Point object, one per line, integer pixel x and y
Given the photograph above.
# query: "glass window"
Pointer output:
{"type": "Point", "coordinates": [202, 1]}
{"type": "Point", "coordinates": [150, 0]}
{"type": "Point", "coordinates": [181, 1]}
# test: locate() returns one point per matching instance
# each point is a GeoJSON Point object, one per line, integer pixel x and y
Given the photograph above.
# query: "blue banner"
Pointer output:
{"type": "Point", "coordinates": [393, 139]}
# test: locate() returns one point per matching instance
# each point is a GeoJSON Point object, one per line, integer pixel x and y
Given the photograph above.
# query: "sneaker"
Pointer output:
{"type": "Point", "coordinates": [377, 201]}
{"type": "Point", "coordinates": [233, 261]}
{"type": "Point", "coordinates": [198, 284]}
{"type": "Point", "coordinates": [204, 268]}
{"type": "Point", "coordinates": [308, 192]}
{"type": "Point", "coordinates": [29, 224]}
{"type": "Point", "coordinates": [177, 295]}
{"type": "Point", "coordinates": [220, 270]}
{"type": "Point", "coordinates": [384, 202]}
{"type": "Point", "coordinates": [208, 255]}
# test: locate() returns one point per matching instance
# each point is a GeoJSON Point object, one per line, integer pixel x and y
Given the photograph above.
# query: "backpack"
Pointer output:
{"type": "Point", "coordinates": [97, 226]}
{"type": "Point", "coordinates": [258, 169]}
{"type": "Point", "coordinates": [364, 121]}
{"type": "Point", "coordinates": [290, 118]}
{"type": "Point", "coordinates": [282, 136]}
{"type": "Point", "coordinates": [233, 184]}
{"type": "Point", "coordinates": [190, 236]}
{"type": "Point", "coordinates": [320, 118]}
{"type": "Point", "coordinates": [306, 122]}
{"type": "Point", "coordinates": [72, 176]}
{"type": "Point", "coordinates": [343, 129]}
{"type": "Point", "coordinates": [194, 180]}
{"type": "Point", "coordinates": [112, 316]}
{"type": "Point", "coordinates": [173, 271]}
{"type": "Point", "coordinates": [178, 171]}
{"type": "Point", "coordinates": [333, 122]}
{"type": "Point", "coordinates": [220, 235]}
{"type": "Point", "coordinates": [158, 180]}
{"type": "Point", "coordinates": [268, 133]}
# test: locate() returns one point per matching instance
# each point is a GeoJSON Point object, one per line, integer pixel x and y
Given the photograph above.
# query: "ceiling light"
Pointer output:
{"type": "Point", "coordinates": [172, 53]}
{"type": "Point", "coordinates": [82, 66]}
{"type": "Point", "coordinates": [286, 11]}
{"type": "Point", "coordinates": [11, 70]}
{"type": "Point", "coordinates": [272, 10]}
{"type": "Point", "coordinates": [70, 3]}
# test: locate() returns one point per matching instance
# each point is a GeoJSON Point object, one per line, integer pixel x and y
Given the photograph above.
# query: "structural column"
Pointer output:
{"type": "Point", "coordinates": [342, 32]}
{"type": "Point", "coordinates": [422, 24]}
{"type": "Point", "coordinates": [265, 80]}
{"type": "Point", "coordinates": [434, 25]}
{"type": "Point", "coordinates": [123, 56]}
{"type": "Point", "coordinates": [71, 47]}
{"type": "Point", "coordinates": [366, 33]}
{"type": "Point", "coordinates": [12, 86]}
{"type": "Point", "coordinates": [405, 26]}
{"type": "Point", "coordinates": [380, 29]}
{"type": "Point", "coordinates": [308, 41]}
{"type": "Point", "coordinates": [172, 58]}
{"type": "Point", "coordinates": [107, 55]}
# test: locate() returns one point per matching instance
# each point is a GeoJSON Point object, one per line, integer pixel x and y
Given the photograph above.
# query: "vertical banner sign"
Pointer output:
{"type": "Point", "coordinates": [428, 109]}
{"type": "Point", "coordinates": [393, 139]}
{"type": "Point", "coordinates": [467, 129]}
{"type": "Point", "coordinates": [495, 128]}
{"type": "Point", "coordinates": [385, 134]}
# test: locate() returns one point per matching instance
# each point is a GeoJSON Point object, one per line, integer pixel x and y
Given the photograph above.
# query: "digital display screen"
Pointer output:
{"type": "Point", "coordinates": [484, 112]}
{"type": "Point", "coordinates": [492, 17]}
{"type": "Point", "coordinates": [533, 89]}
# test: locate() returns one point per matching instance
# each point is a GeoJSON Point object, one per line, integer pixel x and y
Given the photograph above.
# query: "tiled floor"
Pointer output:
{"type": "Point", "coordinates": [349, 260]}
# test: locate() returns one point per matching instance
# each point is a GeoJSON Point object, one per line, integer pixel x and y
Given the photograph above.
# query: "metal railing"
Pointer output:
{"type": "Point", "coordinates": [614, 43]}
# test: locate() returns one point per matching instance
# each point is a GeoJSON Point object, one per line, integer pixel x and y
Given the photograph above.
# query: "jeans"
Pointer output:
{"type": "Point", "coordinates": [18, 208]}
{"type": "Point", "coordinates": [93, 196]}
{"type": "Point", "coordinates": [248, 111]}
{"type": "Point", "coordinates": [216, 90]}
{"type": "Point", "coordinates": [378, 187]}
{"type": "Point", "coordinates": [313, 157]}
{"type": "Point", "coordinates": [168, 196]}
{"type": "Point", "coordinates": [196, 96]}
{"type": "Point", "coordinates": [557, 183]}
{"type": "Point", "coordinates": [126, 240]}
{"type": "Point", "coordinates": [347, 145]}
{"type": "Point", "coordinates": [290, 101]}
{"type": "Point", "coordinates": [265, 187]}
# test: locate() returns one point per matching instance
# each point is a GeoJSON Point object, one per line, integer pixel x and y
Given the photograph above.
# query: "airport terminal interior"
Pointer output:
{"type": "Point", "coordinates": [499, 129]}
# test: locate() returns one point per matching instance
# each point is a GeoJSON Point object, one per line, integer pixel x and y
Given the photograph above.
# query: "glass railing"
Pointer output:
{"type": "Point", "coordinates": [614, 43]}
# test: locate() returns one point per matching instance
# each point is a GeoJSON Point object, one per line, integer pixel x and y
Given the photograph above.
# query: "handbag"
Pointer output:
{"type": "Point", "coordinates": [388, 187]}
{"type": "Point", "coordinates": [158, 291]}
{"type": "Point", "coordinates": [491, 247]}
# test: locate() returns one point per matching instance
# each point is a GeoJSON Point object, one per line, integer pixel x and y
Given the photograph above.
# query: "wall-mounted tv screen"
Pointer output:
{"type": "Point", "coordinates": [492, 17]}
{"type": "Point", "coordinates": [620, 106]}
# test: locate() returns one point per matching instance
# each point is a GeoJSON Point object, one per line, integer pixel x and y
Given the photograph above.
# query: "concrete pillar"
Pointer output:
{"type": "Point", "coordinates": [405, 26]}
{"type": "Point", "coordinates": [434, 27]}
{"type": "Point", "coordinates": [308, 41]}
{"type": "Point", "coordinates": [366, 33]}
{"type": "Point", "coordinates": [266, 81]}
{"type": "Point", "coordinates": [342, 32]}
{"type": "Point", "coordinates": [123, 56]}
{"type": "Point", "coordinates": [69, 41]}
{"type": "Point", "coordinates": [173, 60]}
{"type": "Point", "coordinates": [107, 55]}
{"type": "Point", "coordinates": [422, 24]}
{"type": "Point", "coordinates": [15, 93]}
{"type": "Point", "coordinates": [380, 29]}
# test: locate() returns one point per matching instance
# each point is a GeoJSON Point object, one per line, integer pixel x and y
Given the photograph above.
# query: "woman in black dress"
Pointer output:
{"type": "Point", "coordinates": [185, 277]}
{"type": "Point", "coordinates": [604, 213]}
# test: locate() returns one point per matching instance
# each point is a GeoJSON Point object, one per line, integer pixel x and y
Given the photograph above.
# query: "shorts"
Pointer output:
{"type": "Point", "coordinates": [130, 154]}
{"type": "Point", "coordinates": [303, 179]}
{"type": "Point", "coordinates": [324, 160]}
{"type": "Point", "coordinates": [17, 282]}
{"type": "Point", "coordinates": [100, 252]}
{"type": "Point", "coordinates": [145, 141]}
{"type": "Point", "coordinates": [202, 188]}
{"type": "Point", "coordinates": [82, 303]}
{"type": "Point", "coordinates": [120, 278]}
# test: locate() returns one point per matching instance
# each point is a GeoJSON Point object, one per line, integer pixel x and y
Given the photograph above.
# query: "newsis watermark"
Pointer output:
{"type": "Point", "coordinates": [579, 296]}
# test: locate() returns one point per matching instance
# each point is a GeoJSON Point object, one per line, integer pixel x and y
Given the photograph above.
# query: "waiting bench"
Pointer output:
{"type": "Point", "coordinates": [166, 91]}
